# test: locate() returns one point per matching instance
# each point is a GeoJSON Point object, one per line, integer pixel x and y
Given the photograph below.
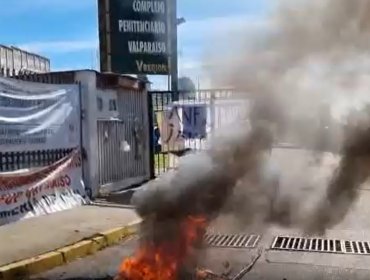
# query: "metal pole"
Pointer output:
{"type": "Point", "coordinates": [151, 140]}
{"type": "Point", "coordinates": [173, 49]}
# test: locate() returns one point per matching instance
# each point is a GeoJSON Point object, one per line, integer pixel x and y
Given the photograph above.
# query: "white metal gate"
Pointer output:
{"type": "Point", "coordinates": [123, 144]}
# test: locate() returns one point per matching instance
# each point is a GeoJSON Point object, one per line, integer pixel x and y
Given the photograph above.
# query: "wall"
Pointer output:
{"type": "Point", "coordinates": [107, 107]}
{"type": "Point", "coordinates": [87, 80]}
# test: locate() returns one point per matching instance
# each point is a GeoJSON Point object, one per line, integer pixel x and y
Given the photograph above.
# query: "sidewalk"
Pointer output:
{"type": "Point", "coordinates": [30, 238]}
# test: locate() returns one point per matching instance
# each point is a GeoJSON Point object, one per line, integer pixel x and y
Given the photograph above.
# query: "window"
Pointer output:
{"type": "Point", "coordinates": [112, 105]}
{"type": "Point", "coordinates": [99, 102]}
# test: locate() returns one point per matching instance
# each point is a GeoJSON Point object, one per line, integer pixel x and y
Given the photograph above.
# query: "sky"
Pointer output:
{"type": "Point", "coordinates": [66, 31]}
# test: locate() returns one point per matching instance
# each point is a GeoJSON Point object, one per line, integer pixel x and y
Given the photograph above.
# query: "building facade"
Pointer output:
{"type": "Point", "coordinates": [14, 61]}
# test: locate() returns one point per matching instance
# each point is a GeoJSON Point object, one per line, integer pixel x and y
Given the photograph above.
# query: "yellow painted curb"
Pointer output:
{"type": "Point", "coordinates": [41, 263]}
{"type": "Point", "coordinates": [98, 243]}
{"type": "Point", "coordinates": [23, 269]}
{"type": "Point", "coordinates": [76, 251]}
{"type": "Point", "coordinates": [114, 236]}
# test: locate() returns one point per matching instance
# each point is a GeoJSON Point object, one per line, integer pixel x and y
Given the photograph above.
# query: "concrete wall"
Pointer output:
{"type": "Point", "coordinates": [87, 80]}
{"type": "Point", "coordinates": [108, 107]}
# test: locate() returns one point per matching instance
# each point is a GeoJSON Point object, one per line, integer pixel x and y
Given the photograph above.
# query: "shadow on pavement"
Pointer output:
{"type": "Point", "coordinates": [111, 205]}
{"type": "Point", "coordinates": [120, 200]}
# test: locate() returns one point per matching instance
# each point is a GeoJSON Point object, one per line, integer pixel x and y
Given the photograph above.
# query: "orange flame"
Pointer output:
{"type": "Point", "coordinates": [163, 261]}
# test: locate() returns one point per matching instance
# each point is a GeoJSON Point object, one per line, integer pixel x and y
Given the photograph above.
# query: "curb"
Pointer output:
{"type": "Point", "coordinates": [25, 268]}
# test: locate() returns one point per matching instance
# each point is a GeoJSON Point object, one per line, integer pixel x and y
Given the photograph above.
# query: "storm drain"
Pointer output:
{"type": "Point", "coordinates": [357, 247]}
{"type": "Point", "coordinates": [321, 245]}
{"type": "Point", "coordinates": [232, 240]}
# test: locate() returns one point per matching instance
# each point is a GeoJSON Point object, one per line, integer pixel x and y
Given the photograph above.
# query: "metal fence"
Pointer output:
{"type": "Point", "coordinates": [185, 121]}
{"type": "Point", "coordinates": [11, 161]}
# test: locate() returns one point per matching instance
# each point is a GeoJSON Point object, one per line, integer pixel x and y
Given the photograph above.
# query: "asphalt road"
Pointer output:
{"type": "Point", "coordinates": [104, 265]}
{"type": "Point", "coordinates": [272, 264]}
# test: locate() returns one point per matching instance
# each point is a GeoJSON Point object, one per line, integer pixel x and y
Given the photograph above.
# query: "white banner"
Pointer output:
{"type": "Point", "coordinates": [47, 190]}
{"type": "Point", "coordinates": [35, 116]}
{"type": "Point", "coordinates": [188, 125]}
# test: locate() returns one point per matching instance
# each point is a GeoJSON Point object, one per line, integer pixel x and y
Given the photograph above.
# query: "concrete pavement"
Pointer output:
{"type": "Point", "coordinates": [48, 239]}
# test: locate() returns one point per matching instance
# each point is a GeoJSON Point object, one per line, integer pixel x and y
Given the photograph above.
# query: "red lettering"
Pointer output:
{"type": "Point", "coordinates": [33, 191]}
{"type": "Point", "coordinates": [8, 199]}
{"type": "Point", "coordinates": [55, 184]}
{"type": "Point", "coordinates": [12, 198]}
{"type": "Point", "coordinates": [68, 180]}
{"type": "Point", "coordinates": [51, 184]}
{"type": "Point", "coordinates": [19, 194]}
{"type": "Point", "coordinates": [63, 182]}
{"type": "Point", "coordinates": [28, 194]}
{"type": "Point", "coordinates": [60, 182]}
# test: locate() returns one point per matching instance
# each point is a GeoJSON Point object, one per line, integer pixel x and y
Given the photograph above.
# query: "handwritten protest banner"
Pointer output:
{"type": "Point", "coordinates": [42, 191]}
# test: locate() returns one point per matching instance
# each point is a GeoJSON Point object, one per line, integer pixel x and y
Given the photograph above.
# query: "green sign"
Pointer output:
{"type": "Point", "coordinates": [136, 40]}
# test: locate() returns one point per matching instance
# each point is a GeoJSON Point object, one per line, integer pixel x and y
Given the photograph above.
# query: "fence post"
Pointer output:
{"type": "Point", "coordinates": [83, 156]}
{"type": "Point", "coordinates": [212, 111]}
{"type": "Point", "coordinates": [151, 140]}
{"type": "Point", "coordinates": [81, 124]}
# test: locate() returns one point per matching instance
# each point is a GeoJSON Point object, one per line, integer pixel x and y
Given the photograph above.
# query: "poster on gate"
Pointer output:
{"type": "Point", "coordinates": [36, 116]}
{"type": "Point", "coordinates": [189, 125]}
{"type": "Point", "coordinates": [42, 191]}
{"type": "Point", "coordinates": [169, 124]}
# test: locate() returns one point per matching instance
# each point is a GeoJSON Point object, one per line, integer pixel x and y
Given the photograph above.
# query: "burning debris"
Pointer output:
{"type": "Point", "coordinates": [162, 258]}
{"type": "Point", "coordinates": [177, 209]}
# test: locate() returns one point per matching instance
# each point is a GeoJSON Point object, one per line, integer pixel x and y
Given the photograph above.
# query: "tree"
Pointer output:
{"type": "Point", "coordinates": [187, 87]}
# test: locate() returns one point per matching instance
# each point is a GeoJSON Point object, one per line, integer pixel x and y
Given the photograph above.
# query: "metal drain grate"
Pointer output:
{"type": "Point", "coordinates": [307, 244]}
{"type": "Point", "coordinates": [232, 240]}
{"type": "Point", "coordinates": [357, 247]}
{"type": "Point", "coordinates": [321, 245]}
